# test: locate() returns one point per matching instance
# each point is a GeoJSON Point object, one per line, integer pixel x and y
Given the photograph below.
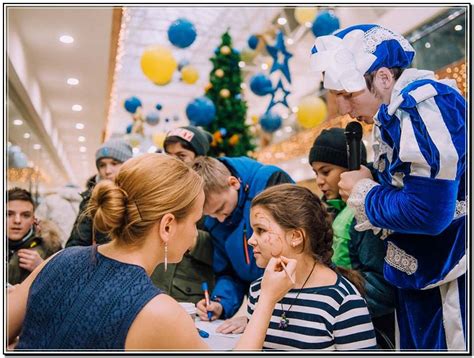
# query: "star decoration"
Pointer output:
{"type": "Point", "coordinates": [278, 89]}
{"type": "Point", "coordinates": [280, 56]}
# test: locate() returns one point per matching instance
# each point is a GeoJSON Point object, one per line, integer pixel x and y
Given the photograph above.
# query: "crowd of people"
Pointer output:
{"type": "Point", "coordinates": [378, 262]}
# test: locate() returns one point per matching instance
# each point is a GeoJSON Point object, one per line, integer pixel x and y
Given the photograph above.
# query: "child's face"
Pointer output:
{"type": "Point", "coordinates": [327, 178]}
{"type": "Point", "coordinates": [268, 239]}
{"type": "Point", "coordinates": [177, 151]}
{"type": "Point", "coordinates": [221, 205]}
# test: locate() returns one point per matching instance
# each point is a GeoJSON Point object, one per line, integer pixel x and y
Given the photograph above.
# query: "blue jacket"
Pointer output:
{"type": "Point", "coordinates": [233, 262]}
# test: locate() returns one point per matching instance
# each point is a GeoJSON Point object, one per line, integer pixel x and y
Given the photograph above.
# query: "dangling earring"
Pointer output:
{"type": "Point", "coordinates": [166, 256]}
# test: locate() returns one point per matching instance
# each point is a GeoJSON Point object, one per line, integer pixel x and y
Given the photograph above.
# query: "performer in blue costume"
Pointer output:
{"type": "Point", "coordinates": [419, 196]}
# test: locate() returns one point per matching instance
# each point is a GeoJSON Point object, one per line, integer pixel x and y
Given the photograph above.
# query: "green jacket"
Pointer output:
{"type": "Point", "coordinates": [341, 229]}
{"type": "Point", "coordinates": [182, 281]}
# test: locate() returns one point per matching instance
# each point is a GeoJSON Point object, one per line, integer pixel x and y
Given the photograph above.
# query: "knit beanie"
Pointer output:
{"type": "Point", "coordinates": [331, 147]}
{"type": "Point", "coordinates": [198, 139]}
{"type": "Point", "coordinates": [115, 148]}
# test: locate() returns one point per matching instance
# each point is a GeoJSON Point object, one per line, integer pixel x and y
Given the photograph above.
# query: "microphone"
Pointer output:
{"type": "Point", "coordinates": [353, 133]}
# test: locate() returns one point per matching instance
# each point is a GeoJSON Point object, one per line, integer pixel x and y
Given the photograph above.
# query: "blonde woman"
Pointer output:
{"type": "Point", "coordinates": [101, 297]}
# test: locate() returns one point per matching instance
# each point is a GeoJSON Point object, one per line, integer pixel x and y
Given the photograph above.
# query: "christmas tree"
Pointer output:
{"type": "Point", "coordinates": [231, 135]}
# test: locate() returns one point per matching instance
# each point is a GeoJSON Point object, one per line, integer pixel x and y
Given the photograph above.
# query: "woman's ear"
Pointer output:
{"type": "Point", "coordinates": [167, 227]}
{"type": "Point", "coordinates": [297, 238]}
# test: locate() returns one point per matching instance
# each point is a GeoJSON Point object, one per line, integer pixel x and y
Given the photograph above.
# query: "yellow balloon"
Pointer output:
{"type": "Point", "coordinates": [189, 74]}
{"type": "Point", "coordinates": [158, 64]}
{"type": "Point", "coordinates": [305, 14]}
{"type": "Point", "coordinates": [311, 112]}
{"type": "Point", "coordinates": [159, 139]}
{"type": "Point", "coordinates": [247, 55]}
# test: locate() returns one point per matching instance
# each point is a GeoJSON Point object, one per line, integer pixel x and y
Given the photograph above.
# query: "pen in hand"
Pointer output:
{"type": "Point", "coordinates": [206, 297]}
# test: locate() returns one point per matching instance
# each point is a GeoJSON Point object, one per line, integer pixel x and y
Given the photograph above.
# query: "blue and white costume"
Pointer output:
{"type": "Point", "coordinates": [419, 199]}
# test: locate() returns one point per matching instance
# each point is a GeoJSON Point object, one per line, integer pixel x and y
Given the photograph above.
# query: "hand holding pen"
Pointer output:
{"type": "Point", "coordinates": [207, 309]}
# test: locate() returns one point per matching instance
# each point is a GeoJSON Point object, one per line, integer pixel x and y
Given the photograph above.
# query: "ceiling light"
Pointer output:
{"type": "Point", "coordinates": [458, 28]}
{"type": "Point", "coordinates": [427, 45]}
{"type": "Point", "coordinates": [79, 126]}
{"type": "Point", "coordinates": [152, 149]}
{"type": "Point", "coordinates": [304, 160]}
{"type": "Point", "coordinates": [72, 81]}
{"type": "Point", "coordinates": [281, 21]}
{"type": "Point", "coordinates": [243, 85]}
{"type": "Point", "coordinates": [290, 41]}
{"type": "Point", "coordinates": [81, 138]}
{"type": "Point", "coordinates": [308, 24]}
{"type": "Point", "coordinates": [82, 149]}
{"type": "Point", "coordinates": [264, 66]}
{"type": "Point", "coordinates": [241, 64]}
{"type": "Point", "coordinates": [17, 122]}
{"type": "Point", "coordinates": [66, 39]}
{"type": "Point", "coordinates": [77, 108]}
{"type": "Point", "coordinates": [26, 135]}
{"type": "Point", "coordinates": [295, 109]}
{"type": "Point", "coordinates": [135, 150]}
{"type": "Point", "coordinates": [37, 146]}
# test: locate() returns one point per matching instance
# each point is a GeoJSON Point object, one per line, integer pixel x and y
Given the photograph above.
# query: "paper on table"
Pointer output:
{"type": "Point", "coordinates": [210, 327]}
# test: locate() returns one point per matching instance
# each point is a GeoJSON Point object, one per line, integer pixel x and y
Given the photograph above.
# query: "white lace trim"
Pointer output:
{"type": "Point", "coordinates": [380, 148]}
{"type": "Point", "coordinates": [357, 202]}
{"type": "Point", "coordinates": [376, 35]}
{"type": "Point", "coordinates": [460, 209]}
{"type": "Point", "coordinates": [400, 260]}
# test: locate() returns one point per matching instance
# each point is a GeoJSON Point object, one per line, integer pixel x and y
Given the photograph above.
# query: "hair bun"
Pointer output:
{"type": "Point", "coordinates": [107, 206]}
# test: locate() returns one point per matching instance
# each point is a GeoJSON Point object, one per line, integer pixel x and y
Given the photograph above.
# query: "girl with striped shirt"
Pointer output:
{"type": "Point", "coordinates": [325, 309]}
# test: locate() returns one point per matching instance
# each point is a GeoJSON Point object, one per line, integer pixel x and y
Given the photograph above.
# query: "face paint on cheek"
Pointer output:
{"type": "Point", "coordinates": [270, 237]}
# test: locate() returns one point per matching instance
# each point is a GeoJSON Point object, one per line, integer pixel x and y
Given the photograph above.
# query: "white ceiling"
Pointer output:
{"type": "Point", "coordinates": [44, 64]}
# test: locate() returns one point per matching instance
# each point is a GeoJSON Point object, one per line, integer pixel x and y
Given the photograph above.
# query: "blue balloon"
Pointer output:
{"type": "Point", "coordinates": [158, 106]}
{"type": "Point", "coordinates": [182, 33]}
{"type": "Point", "coordinates": [182, 64]}
{"type": "Point", "coordinates": [201, 111]}
{"type": "Point", "coordinates": [270, 122]}
{"type": "Point", "coordinates": [261, 84]}
{"type": "Point", "coordinates": [325, 23]}
{"type": "Point", "coordinates": [253, 42]}
{"type": "Point", "coordinates": [131, 104]}
{"type": "Point", "coordinates": [129, 128]}
{"type": "Point", "coordinates": [152, 118]}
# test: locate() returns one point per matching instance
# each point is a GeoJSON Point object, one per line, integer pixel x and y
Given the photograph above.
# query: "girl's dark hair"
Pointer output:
{"type": "Point", "coordinates": [296, 207]}
{"type": "Point", "coordinates": [369, 77]}
{"type": "Point", "coordinates": [175, 139]}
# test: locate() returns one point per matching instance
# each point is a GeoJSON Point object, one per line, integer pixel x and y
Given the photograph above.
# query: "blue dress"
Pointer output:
{"type": "Point", "coordinates": [82, 300]}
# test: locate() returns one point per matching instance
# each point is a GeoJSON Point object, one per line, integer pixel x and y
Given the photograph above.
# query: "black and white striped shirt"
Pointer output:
{"type": "Point", "coordinates": [331, 317]}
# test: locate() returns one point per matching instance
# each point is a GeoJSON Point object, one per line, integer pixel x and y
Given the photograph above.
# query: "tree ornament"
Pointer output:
{"type": "Point", "coordinates": [224, 93]}
{"type": "Point", "coordinates": [225, 50]}
{"type": "Point", "coordinates": [234, 139]}
{"type": "Point", "coordinates": [219, 73]}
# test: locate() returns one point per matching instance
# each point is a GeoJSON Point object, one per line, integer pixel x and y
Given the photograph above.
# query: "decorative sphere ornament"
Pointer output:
{"type": "Point", "coordinates": [225, 50]}
{"type": "Point", "coordinates": [325, 23]}
{"type": "Point", "coordinates": [201, 111]}
{"type": "Point", "coordinates": [261, 84]}
{"type": "Point", "coordinates": [159, 107]}
{"type": "Point", "coordinates": [223, 131]}
{"type": "Point", "coordinates": [158, 64]}
{"type": "Point", "coordinates": [234, 139]}
{"type": "Point", "coordinates": [219, 73]}
{"type": "Point", "coordinates": [131, 104]}
{"type": "Point", "coordinates": [208, 87]}
{"type": "Point", "coordinates": [182, 63]}
{"type": "Point", "coordinates": [224, 93]}
{"type": "Point", "coordinates": [270, 122]}
{"type": "Point", "coordinates": [253, 42]}
{"type": "Point", "coordinates": [182, 33]}
{"type": "Point", "coordinates": [189, 74]}
{"type": "Point", "coordinates": [152, 118]}
{"type": "Point", "coordinates": [305, 14]}
{"type": "Point", "coordinates": [129, 128]}
{"type": "Point", "coordinates": [312, 111]}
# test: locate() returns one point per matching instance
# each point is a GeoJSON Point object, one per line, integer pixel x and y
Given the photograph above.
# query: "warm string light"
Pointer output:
{"type": "Point", "coordinates": [456, 71]}
{"type": "Point", "coordinates": [126, 17]}
{"type": "Point", "coordinates": [25, 175]}
{"type": "Point", "coordinates": [299, 144]}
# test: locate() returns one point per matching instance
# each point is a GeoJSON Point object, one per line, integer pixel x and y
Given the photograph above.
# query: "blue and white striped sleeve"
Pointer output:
{"type": "Point", "coordinates": [353, 329]}
{"type": "Point", "coordinates": [432, 145]}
